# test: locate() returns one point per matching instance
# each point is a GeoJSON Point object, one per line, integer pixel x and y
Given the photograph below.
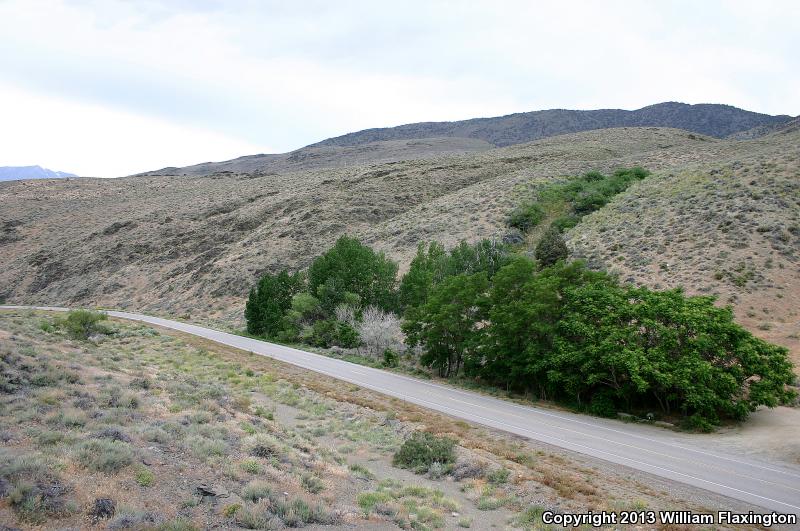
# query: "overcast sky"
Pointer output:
{"type": "Point", "coordinates": [105, 88]}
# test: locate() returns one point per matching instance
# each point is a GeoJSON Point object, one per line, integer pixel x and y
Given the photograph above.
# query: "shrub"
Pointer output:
{"type": "Point", "coordinates": [390, 358]}
{"type": "Point", "coordinates": [145, 477]}
{"type": "Point", "coordinates": [257, 490]}
{"type": "Point", "coordinates": [525, 217]}
{"type": "Point", "coordinates": [262, 446]}
{"type": "Point", "coordinates": [251, 466]}
{"type": "Point", "coordinates": [36, 502]}
{"type": "Point", "coordinates": [204, 448]}
{"type": "Point", "coordinates": [551, 248]}
{"type": "Point", "coordinates": [103, 455]}
{"type": "Point", "coordinates": [499, 476]}
{"type": "Point", "coordinates": [423, 449]}
{"type": "Point", "coordinates": [312, 483]}
{"type": "Point", "coordinates": [347, 336]}
{"type": "Point", "coordinates": [179, 524]}
{"type": "Point", "coordinates": [602, 405]}
{"type": "Point", "coordinates": [82, 324]}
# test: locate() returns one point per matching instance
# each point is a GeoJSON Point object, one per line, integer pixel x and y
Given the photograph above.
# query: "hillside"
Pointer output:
{"type": "Point", "coordinates": [194, 247]}
{"type": "Point", "coordinates": [429, 139]}
{"type": "Point", "coordinates": [315, 157]}
{"type": "Point", "coordinates": [13, 173]}
{"type": "Point", "coordinates": [708, 119]}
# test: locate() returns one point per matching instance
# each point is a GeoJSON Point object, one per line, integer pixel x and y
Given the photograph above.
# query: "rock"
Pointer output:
{"type": "Point", "coordinates": [625, 416]}
{"type": "Point", "coordinates": [513, 237]}
{"type": "Point", "coordinates": [103, 508]}
{"type": "Point", "coordinates": [207, 489]}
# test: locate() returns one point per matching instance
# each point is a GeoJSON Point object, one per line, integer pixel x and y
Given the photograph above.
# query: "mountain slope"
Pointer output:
{"type": "Point", "coordinates": [315, 157]}
{"type": "Point", "coordinates": [429, 139]}
{"type": "Point", "coordinates": [708, 119]}
{"type": "Point", "coordinates": [13, 173]}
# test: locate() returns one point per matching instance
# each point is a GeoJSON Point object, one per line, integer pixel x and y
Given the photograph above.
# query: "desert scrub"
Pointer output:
{"type": "Point", "coordinates": [257, 490]}
{"type": "Point", "coordinates": [413, 503]}
{"type": "Point", "coordinates": [262, 445]}
{"type": "Point", "coordinates": [34, 489]}
{"type": "Point", "coordinates": [103, 455]}
{"type": "Point", "coordinates": [312, 483]}
{"type": "Point", "coordinates": [204, 448]}
{"type": "Point", "coordinates": [422, 450]}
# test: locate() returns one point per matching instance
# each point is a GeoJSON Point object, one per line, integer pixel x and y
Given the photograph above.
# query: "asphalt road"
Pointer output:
{"type": "Point", "coordinates": [774, 486]}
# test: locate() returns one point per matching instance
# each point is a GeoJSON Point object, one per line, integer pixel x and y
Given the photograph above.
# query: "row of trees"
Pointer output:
{"type": "Point", "coordinates": [566, 333]}
{"type": "Point", "coordinates": [350, 295]}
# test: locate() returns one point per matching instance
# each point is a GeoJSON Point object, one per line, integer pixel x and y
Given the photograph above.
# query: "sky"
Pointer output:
{"type": "Point", "coordinates": [109, 88]}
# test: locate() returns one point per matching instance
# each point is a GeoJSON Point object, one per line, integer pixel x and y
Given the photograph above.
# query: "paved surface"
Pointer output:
{"type": "Point", "coordinates": [661, 452]}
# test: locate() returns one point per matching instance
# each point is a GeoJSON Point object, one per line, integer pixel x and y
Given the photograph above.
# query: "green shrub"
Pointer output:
{"type": "Point", "coordinates": [145, 477]}
{"type": "Point", "coordinates": [390, 358]}
{"type": "Point", "coordinates": [525, 217]}
{"type": "Point", "coordinates": [179, 524]}
{"type": "Point", "coordinates": [204, 448]}
{"type": "Point", "coordinates": [551, 248]}
{"type": "Point", "coordinates": [499, 476]}
{"type": "Point", "coordinates": [423, 449]}
{"type": "Point", "coordinates": [347, 336]}
{"type": "Point", "coordinates": [82, 324]}
{"type": "Point", "coordinates": [603, 405]}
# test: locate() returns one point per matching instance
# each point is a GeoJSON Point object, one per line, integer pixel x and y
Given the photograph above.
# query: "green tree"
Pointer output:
{"type": "Point", "coordinates": [298, 321]}
{"type": "Point", "coordinates": [350, 266]}
{"type": "Point", "coordinates": [270, 300]}
{"type": "Point", "coordinates": [426, 269]}
{"type": "Point", "coordinates": [486, 256]}
{"type": "Point", "coordinates": [447, 324]}
{"type": "Point", "coordinates": [551, 248]}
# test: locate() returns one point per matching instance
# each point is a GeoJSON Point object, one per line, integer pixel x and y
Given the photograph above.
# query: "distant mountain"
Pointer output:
{"type": "Point", "coordinates": [763, 130]}
{"type": "Point", "coordinates": [430, 139]}
{"type": "Point", "coordinates": [17, 173]}
{"type": "Point", "coordinates": [708, 119]}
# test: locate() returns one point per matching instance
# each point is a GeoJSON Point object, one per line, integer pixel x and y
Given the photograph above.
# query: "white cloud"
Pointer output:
{"type": "Point", "coordinates": [285, 74]}
{"type": "Point", "coordinates": [95, 141]}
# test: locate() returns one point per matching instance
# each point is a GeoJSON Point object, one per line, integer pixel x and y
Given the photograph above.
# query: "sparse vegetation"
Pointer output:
{"type": "Point", "coordinates": [276, 452]}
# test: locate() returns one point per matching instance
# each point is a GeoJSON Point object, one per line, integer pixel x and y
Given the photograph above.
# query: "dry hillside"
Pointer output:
{"type": "Point", "coordinates": [178, 245]}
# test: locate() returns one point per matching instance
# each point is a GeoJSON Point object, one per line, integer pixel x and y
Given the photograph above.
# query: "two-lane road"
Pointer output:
{"type": "Point", "coordinates": [774, 486]}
